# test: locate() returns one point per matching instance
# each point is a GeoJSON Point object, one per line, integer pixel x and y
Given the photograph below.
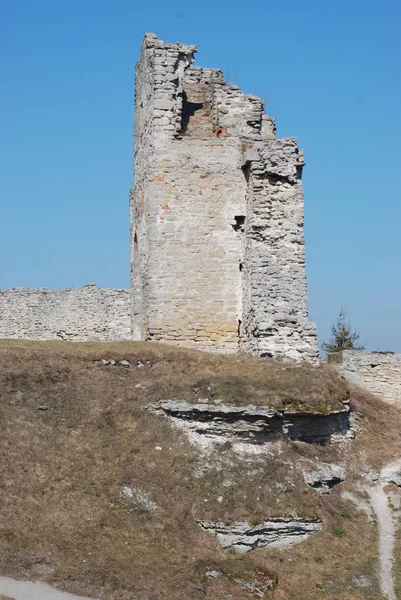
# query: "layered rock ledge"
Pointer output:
{"type": "Point", "coordinates": [272, 533]}
{"type": "Point", "coordinates": [255, 424]}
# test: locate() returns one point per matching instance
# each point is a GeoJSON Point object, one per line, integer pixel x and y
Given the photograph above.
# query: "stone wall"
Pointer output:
{"type": "Point", "coordinates": [217, 247]}
{"type": "Point", "coordinates": [88, 313]}
{"type": "Point", "coordinates": [377, 372]}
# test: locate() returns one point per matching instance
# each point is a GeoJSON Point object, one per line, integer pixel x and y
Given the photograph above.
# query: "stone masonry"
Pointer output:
{"type": "Point", "coordinates": [377, 372]}
{"type": "Point", "coordinates": [217, 242]}
{"type": "Point", "coordinates": [88, 313]}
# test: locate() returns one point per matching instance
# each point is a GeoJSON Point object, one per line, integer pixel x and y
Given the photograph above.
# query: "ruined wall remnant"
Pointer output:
{"type": "Point", "coordinates": [217, 243]}
{"type": "Point", "coordinates": [87, 313]}
{"type": "Point", "coordinates": [377, 372]}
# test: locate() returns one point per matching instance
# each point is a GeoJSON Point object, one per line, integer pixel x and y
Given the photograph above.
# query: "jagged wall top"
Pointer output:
{"type": "Point", "coordinates": [233, 112]}
{"type": "Point", "coordinates": [150, 40]}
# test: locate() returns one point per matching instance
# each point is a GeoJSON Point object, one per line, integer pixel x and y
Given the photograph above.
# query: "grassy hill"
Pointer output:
{"type": "Point", "coordinates": [76, 432]}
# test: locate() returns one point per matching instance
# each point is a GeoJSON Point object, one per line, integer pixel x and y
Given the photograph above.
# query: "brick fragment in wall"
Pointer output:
{"type": "Point", "coordinates": [217, 242]}
{"type": "Point", "coordinates": [88, 313]}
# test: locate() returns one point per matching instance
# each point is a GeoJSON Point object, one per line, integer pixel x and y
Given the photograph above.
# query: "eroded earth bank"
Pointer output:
{"type": "Point", "coordinates": [133, 470]}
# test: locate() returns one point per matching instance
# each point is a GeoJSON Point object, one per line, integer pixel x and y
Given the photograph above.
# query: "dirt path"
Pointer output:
{"type": "Point", "coordinates": [387, 524]}
{"type": "Point", "coordinates": [28, 590]}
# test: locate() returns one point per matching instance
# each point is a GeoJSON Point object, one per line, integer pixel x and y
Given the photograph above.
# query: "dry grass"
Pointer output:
{"type": "Point", "coordinates": [191, 375]}
{"type": "Point", "coordinates": [75, 431]}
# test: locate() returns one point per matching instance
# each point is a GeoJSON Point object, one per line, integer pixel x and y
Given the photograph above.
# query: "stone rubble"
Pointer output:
{"type": "Point", "coordinates": [123, 363]}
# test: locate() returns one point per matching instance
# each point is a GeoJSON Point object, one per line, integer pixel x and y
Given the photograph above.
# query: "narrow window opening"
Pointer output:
{"type": "Point", "coordinates": [239, 327]}
{"type": "Point", "coordinates": [188, 111]}
{"type": "Point", "coordinates": [241, 265]}
{"type": "Point", "coordinates": [246, 169]}
{"type": "Point", "coordinates": [239, 223]}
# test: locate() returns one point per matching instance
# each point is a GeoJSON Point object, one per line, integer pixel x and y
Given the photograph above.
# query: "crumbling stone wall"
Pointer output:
{"type": "Point", "coordinates": [87, 313]}
{"type": "Point", "coordinates": [217, 246]}
{"type": "Point", "coordinates": [377, 372]}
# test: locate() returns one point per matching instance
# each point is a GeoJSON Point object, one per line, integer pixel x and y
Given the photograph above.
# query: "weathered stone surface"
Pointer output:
{"type": "Point", "coordinates": [217, 243]}
{"type": "Point", "coordinates": [377, 372]}
{"type": "Point", "coordinates": [272, 533]}
{"type": "Point", "coordinates": [254, 424]}
{"type": "Point", "coordinates": [323, 476]}
{"type": "Point", "coordinates": [392, 473]}
{"type": "Point", "coordinates": [138, 498]}
{"type": "Point", "coordinates": [256, 581]}
{"type": "Point", "coordinates": [256, 588]}
{"type": "Point", "coordinates": [88, 313]}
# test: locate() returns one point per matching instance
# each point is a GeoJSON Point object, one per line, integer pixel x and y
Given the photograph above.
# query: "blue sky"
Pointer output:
{"type": "Point", "coordinates": [329, 73]}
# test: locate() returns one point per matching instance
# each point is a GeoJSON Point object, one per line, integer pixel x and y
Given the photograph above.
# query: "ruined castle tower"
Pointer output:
{"type": "Point", "coordinates": [217, 243]}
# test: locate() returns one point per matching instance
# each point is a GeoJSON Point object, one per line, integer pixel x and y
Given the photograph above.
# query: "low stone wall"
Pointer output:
{"type": "Point", "coordinates": [377, 372]}
{"type": "Point", "coordinates": [88, 313]}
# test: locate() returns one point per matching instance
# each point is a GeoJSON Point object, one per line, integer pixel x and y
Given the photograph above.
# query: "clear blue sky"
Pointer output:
{"type": "Point", "coordinates": [329, 73]}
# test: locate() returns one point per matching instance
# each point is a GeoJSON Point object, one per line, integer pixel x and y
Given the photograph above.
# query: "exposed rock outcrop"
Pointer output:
{"type": "Point", "coordinates": [392, 473]}
{"type": "Point", "coordinates": [271, 533]}
{"type": "Point", "coordinates": [254, 424]}
{"type": "Point", "coordinates": [323, 476]}
{"type": "Point", "coordinates": [257, 581]}
{"type": "Point", "coordinates": [138, 498]}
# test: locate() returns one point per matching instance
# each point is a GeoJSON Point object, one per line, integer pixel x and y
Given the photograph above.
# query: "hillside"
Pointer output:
{"type": "Point", "coordinates": [110, 491]}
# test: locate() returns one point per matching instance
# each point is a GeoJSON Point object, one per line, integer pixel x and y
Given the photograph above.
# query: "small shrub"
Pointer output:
{"type": "Point", "coordinates": [342, 336]}
{"type": "Point", "coordinates": [338, 533]}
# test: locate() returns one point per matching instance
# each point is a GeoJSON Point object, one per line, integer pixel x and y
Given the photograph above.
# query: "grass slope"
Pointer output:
{"type": "Point", "coordinates": [74, 431]}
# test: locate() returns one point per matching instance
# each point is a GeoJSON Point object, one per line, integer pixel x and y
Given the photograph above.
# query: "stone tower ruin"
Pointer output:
{"type": "Point", "coordinates": [217, 241]}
